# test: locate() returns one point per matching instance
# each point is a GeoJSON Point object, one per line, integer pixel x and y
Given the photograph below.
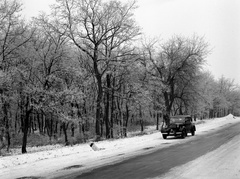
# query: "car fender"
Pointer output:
{"type": "Point", "coordinates": [194, 127]}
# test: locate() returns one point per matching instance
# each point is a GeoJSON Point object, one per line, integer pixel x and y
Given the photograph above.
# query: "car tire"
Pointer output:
{"type": "Point", "coordinates": [183, 134]}
{"type": "Point", "coordinates": [164, 136]}
{"type": "Point", "coordinates": [193, 132]}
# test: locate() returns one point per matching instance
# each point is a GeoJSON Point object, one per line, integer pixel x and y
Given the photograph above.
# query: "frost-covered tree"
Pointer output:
{"type": "Point", "coordinates": [14, 34]}
{"type": "Point", "coordinates": [176, 65]}
{"type": "Point", "coordinates": [100, 30]}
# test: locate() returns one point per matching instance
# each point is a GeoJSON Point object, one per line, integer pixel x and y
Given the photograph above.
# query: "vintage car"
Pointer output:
{"type": "Point", "coordinates": [179, 125]}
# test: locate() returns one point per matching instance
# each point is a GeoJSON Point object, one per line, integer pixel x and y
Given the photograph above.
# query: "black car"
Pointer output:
{"type": "Point", "coordinates": [179, 125]}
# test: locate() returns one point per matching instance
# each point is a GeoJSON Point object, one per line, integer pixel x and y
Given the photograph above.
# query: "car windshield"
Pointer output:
{"type": "Point", "coordinates": [176, 120]}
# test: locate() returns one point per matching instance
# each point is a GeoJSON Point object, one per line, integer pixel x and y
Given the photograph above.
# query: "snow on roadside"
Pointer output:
{"type": "Point", "coordinates": [45, 163]}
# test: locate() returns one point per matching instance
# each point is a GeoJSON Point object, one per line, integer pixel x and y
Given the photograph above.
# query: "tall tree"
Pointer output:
{"type": "Point", "coordinates": [96, 28]}
{"type": "Point", "coordinates": [14, 34]}
{"type": "Point", "coordinates": [179, 60]}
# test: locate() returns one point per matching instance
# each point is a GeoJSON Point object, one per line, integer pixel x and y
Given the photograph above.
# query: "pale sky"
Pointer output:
{"type": "Point", "coordinates": [217, 20]}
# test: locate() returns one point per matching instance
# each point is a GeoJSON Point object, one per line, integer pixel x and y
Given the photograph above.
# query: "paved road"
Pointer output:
{"type": "Point", "coordinates": [161, 161]}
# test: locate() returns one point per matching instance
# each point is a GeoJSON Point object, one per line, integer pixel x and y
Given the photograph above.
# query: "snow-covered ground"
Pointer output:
{"type": "Point", "coordinates": [54, 162]}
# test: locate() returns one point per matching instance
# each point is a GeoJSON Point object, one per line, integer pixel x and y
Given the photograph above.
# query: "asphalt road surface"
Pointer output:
{"type": "Point", "coordinates": [161, 161]}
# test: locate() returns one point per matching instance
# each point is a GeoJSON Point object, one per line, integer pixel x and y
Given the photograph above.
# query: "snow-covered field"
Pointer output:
{"type": "Point", "coordinates": [51, 163]}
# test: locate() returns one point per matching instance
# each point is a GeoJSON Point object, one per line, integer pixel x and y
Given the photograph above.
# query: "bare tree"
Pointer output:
{"type": "Point", "coordinates": [178, 62]}
{"type": "Point", "coordinates": [99, 29]}
{"type": "Point", "coordinates": [14, 34]}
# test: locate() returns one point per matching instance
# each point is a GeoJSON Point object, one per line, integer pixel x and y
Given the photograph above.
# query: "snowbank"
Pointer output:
{"type": "Point", "coordinates": [53, 162]}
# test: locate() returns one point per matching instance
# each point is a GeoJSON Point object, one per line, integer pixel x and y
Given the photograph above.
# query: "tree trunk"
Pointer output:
{"type": "Point", "coordinates": [72, 129]}
{"type": "Point", "coordinates": [26, 125]}
{"type": "Point", "coordinates": [157, 128]}
{"type": "Point", "coordinates": [98, 110]}
{"type": "Point", "coordinates": [65, 126]}
{"type": "Point", "coordinates": [39, 123]}
{"type": "Point", "coordinates": [56, 128]}
{"type": "Point", "coordinates": [112, 108]}
{"type": "Point", "coordinates": [51, 124]}
{"type": "Point", "coordinates": [106, 116]}
{"type": "Point", "coordinates": [141, 119]}
{"type": "Point", "coordinates": [43, 123]}
{"type": "Point", "coordinates": [99, 92]}
{"type": "Point", "coordinates": [168, 106]}
{"type": "Point", "coordinates": [6, 121]}
{"type": "Point", "coordinates": [126, 121]}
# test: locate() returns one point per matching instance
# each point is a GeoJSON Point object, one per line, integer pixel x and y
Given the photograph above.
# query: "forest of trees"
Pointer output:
{"type": "Point", "coordinates": [83, 70]}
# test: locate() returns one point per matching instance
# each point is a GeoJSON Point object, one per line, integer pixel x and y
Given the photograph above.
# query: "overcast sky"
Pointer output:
{"type": "Point", "coordinates": [217, 20]}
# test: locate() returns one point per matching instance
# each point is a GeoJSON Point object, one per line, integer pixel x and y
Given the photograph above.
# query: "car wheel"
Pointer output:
{"type": "Point", "coordinates": [164, 136]}
{"type": "Point", "coordinates": [193, 132]}
{"type": "Point", "coordinates": [183, 134]}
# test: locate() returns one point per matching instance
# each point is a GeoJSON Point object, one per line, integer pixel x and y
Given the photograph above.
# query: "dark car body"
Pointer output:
{"type": "Point", "coordinates": [179, 125]}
